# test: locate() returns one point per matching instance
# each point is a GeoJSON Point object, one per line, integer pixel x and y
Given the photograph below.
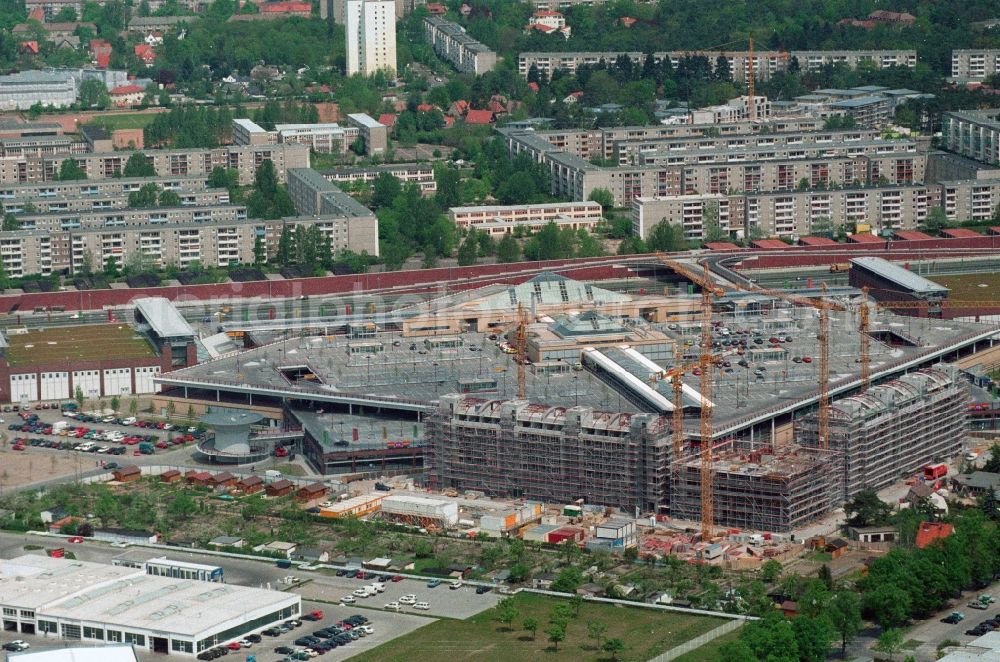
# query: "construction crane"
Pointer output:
{"type": "Point", "coordinates": [751, 106]}
{"type": "Point", "coordinates": [521, 351]}
{"type": "Point", "coordinates": [705, 380]}
{"type": "Point", "coordinates": [705, 363]}
{"type": "Point", "coordinates": [865, 349]}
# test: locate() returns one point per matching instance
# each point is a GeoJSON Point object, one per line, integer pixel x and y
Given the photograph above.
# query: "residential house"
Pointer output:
{"type": "Point", "coordinates": [145, 53]}
{"type": "Point", "coordinates": [976, 484]}
{"type": "Point", "coordinates": [837, 548]}
{"type": "Point", "coordinates": [223, 480]}
{"type": "Point", "coordinates": [127, 474]}
{"type": "Point", "coordinates": [226, 541]}
{"type": "Point", "coordinates": [170, 476]}
{"type": "Point", "coordinates": [573, 97]}
{"type": "Point", "coordinates": [197, 478]}
{"type": "Point", "coordinates": [548, 22]}
{"type": "Point", "coordinates": [100, 51]}
{"type": "Point", "coordinates": [279, 488]}
{"type": "Point", "coordinates": [388, 119]}
{"type": "Point", "coordinates": [70, 522]}
{"type": "Point", "coordinates": [250, 485]}
{"type": "Point", "coordinates": [52, 514]}
{"type": "Point", "coordinates": [280, 547]}
{"type": "Point", "coordinates": [458, 108]}
{"type": "Point", "coordinates": [543, 582]}
{"type": "Point", "coordinates": [479, 117]}
{"type": "Point", "coordinates": [154, 38]}
{"type": "Point", "coordinates": [28, 48]}
{"type": "Point", "coordinates": [126, 96]}
{"type": "Point", "coordinates": [311, 492]}
{"type": "Point", "coordinates": [436, 9]}
{"type": "Point", "coordinates": [931, 531]}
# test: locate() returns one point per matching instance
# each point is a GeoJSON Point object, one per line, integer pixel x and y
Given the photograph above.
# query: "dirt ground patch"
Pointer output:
{"type": "Point", "coordinates": [20, 468]}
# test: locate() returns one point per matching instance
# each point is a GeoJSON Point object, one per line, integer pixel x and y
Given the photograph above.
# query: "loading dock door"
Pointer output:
{"type": "Point", "coordinates": [160, 645]}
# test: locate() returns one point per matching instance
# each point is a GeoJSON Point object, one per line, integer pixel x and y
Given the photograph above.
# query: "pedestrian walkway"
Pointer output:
{"type": "Point", "coordinates": [699, 641]}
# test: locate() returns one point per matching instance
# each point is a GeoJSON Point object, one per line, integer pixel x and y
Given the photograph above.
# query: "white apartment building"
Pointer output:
{"type": "Point", "coordinates": [371, 36]}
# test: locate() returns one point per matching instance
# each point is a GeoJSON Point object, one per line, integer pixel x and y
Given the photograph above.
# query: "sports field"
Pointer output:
{"type": "Point", "coordinates": [645, 633]}
{"type": "Point", "coordinates": [77, 343]}
{"type": "Point", "coordinates": [971, 287]}
{"type": "Point", "coordinates": [115, 121]}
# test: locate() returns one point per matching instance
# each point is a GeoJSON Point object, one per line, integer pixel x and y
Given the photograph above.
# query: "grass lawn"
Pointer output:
{"type": "Point", "coordinates": [77, 343]}
{"type": "Point", "coordinates": [290, 470]}
{"type": "Point", "coordinates": [710, 651]}
{"type": "Point", "coordinates": [125, 120]}
{"type": "Point", "coordinates": [646, 633]}
{"type": "Point", "coordinates": [970, 287]}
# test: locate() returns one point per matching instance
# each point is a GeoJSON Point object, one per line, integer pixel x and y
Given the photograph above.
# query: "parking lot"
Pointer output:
{"type": "Point", "coordinates": [443, 601]}
{"type": "Point", "coordinates": [933, 631]}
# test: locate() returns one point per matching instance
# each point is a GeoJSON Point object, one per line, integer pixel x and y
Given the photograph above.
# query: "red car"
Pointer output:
{"type": "Point", "coordinates": [807, 359]}
{"type": "Point", "coordinates": [75, 539]}
{"type": "Point", "coordinates": [234, 646]}
{"type": "Point", "coordinates": [398, 578]}
{"type": "Point", "coordinates": [18, 447]}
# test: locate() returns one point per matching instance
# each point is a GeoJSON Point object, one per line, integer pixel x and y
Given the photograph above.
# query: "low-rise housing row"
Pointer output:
{"type": "Point", "coordinates": [501, 219]}
{"type": "Point", "coordinates": [409, 173]}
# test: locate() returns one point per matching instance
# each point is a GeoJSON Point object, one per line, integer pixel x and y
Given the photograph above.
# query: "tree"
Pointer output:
{"type": "Point", "coordinates": [666, 237]}
{"type": "Point", "coordinates": [266, 180]}
{"type": "Point", "coordinates": [10, 223]}
{"type": "Point", "coordinates": [531, 625]}
{"type": "Point", "coordinates": [813, 601]}
{"type": "Point", "coordinates": [866, 509]}
{"type": "Point", "coordinates": [259, 251]}
{"type": "Point", "coordinates": [449, 187]}
{"type": "Point", "coordinates": [133, 407]}
{"type": "Point", "coordinates": [889, 642]}
{"type": "Point", "coordinates": [385, 190]}
{"type": "Point", "coordinates": [93, 94]}
{"type": "Point", "coordinates": [603, 197]}
{"type": "Point", "coordinates": [169, 199]}
{"type": "Point", "coordinates": [468, 252]}
{"type": "Point", "coordinates": [111, 267]}
{"type": "Point", "coordinates": [614, 647]}
{"type": "Point", "coordinates": [813, 637]}
{"type": "Point", "coordinates": [770, 570]}
{"type": "Point", "coordinates": [145, 197]}
{"type": "Point", "coordinates": [115, 403]}
{"type": "Point", "coordinates": [222, 178]}
{"type": "Point", "coordinates": [992, 465]}
{"type": "Point", "coordinates": [844, 612]}
{"type": "Point", "coordinates": [557, 633]}
{"type": "Point", "coordinates": [508, 250]}
{"type": "Point", "coordinates": [87, 263]}
{"type": "Point", "coordinates": [596, 631]}
{"type": "Point", "coordinates": [78, 396]}
{"type": "Point", "coordinates": [771, 638]}
{"type": "Point", "coordinates": [138, 165]}
{"type": "Point", "coordinates": [887, 604]}
{"type": "Point", "coordinates": [569, 580]}
{"type": "Point", "coordinates": [70, 170]}
{"type": "Point", "coordinates": [183, 506]}
{"type": "Point", "coordinates": [561, 613]}
{"type": "Point", "coordinates": [506, 612]}
{"type": "Point", "coordinates": [171, 409]}
{"type": "Point", "coordinates": [936, 219]}
{"type": "Point", "coordinates": [711, 229]}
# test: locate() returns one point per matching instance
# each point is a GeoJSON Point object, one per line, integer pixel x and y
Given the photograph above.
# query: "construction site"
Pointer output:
{"type": "Point", "coordinates": [717, 407]}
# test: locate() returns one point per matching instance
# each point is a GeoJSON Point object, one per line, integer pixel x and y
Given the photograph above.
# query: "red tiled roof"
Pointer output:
{"type": "Point", "coordinates": [126, 89]}
{"type": "Point", "coordinates": [542, 13]}
{"type": "Point", "coordinates": [863, 238]}
{"type": "Point", "coordinates": [479, 117]}
{"type": "Point", "coordinates": [533, 86]}
{"type": "Point", "coordinates": [425, 108]}
{"type": "Point", "coordinates": [960, 233]}
{"type": "Point", "coordinates": [911, 235]}
{"type": "Point", "coordinates": [289, 7]}
{"type": "Point", "coordinates": [434, 8]}
{"type": "Point", "coordinates": [721, 246]}
{"type": "Point", "coordinates": [541, 28]}
{"type": "Point", "coordinates": [387, 119]}
{"type": "Point", "coordinates": [931, 531]}
{"type": "Point", "coordinates": [145, 52]}
{"type": "Point", "coordinates": [37, 14]}
{"type": "Point", "coordinates": [29, 46]}
{"type": "Point", "coordinates": [993, 230]}
{"type": "Point", "coordinates": [103, 60]}
{"type": "Point", "coordinates": [817, 241]}
{"type": "Point", "coordinates": [770, 243]}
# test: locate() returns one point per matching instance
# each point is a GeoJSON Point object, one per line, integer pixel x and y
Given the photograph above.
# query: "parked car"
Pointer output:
{"type": "Point", "coordinates": [434, 583]}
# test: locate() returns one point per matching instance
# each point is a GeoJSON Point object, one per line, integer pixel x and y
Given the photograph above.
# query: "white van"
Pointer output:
{"type": "Point", "coordinates": [377, 587]}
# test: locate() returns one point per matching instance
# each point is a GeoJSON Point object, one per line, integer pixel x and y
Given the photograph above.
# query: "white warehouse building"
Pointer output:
{"type": "Point", "coordinates": [420, 510]}
{"type": "Point", "coordinates": [96, 603]}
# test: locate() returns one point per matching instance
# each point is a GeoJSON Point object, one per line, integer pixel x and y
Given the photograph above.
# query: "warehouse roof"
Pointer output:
{"type": "Point", "coordinates": [108, 653]}
{"type": "Point", "coordinates": [161, 315]}
{"type": "Point", "coordinates": [899, 275]}
{"type": "Point", "coordinates": [128, 597]}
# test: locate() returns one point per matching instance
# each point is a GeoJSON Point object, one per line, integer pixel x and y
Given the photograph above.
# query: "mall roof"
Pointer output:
{"type": "Point", "coordinates": [164, 319]}
{"type": "Point", "coordinates": [899, 275]}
